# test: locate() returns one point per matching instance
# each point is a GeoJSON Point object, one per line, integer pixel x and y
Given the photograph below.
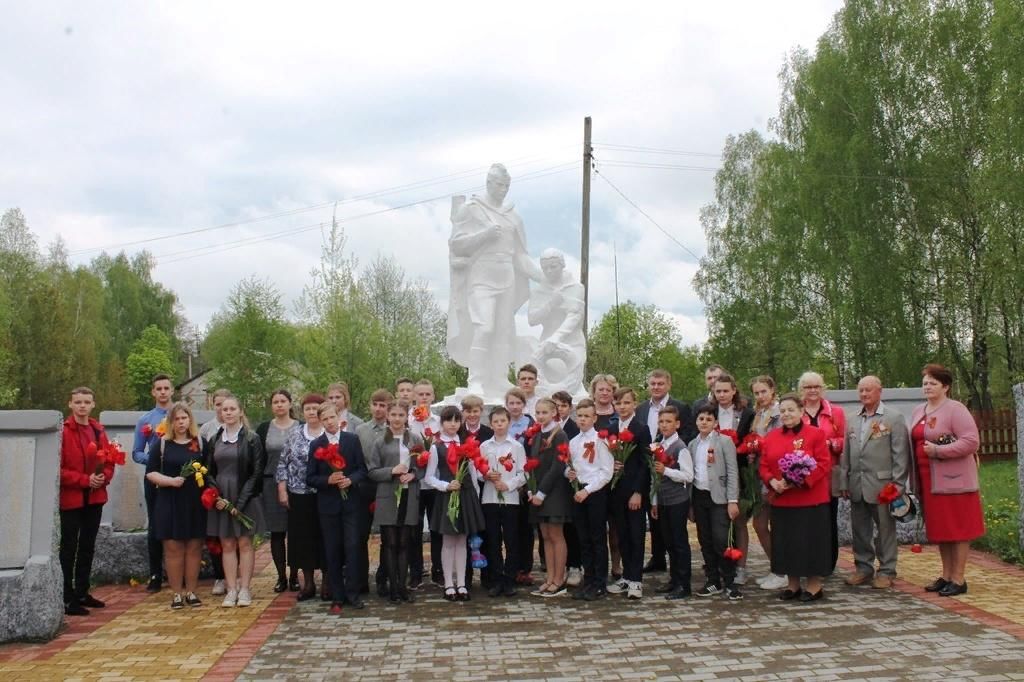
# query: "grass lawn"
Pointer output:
{"type": "Point", "coordinates": [1001, 500]}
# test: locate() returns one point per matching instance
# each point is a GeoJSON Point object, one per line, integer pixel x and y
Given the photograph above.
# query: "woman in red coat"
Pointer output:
{"type": "Point", "coordinates": [84, 478]}
{"type": "Point", "coordinates": [800, 516]}
{"type": "Point", "coordinates": [945, 439]}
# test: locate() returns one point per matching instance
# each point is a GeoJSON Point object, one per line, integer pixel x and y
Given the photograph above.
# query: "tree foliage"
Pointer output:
{"type": "Point", "coordinates": [879, 228]}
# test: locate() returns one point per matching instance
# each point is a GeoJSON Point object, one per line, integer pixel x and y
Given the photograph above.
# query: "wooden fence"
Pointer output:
{"type": "Point", "coordinates": [998, 431]}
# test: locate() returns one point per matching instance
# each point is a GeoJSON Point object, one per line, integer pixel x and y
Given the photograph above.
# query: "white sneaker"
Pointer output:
{"type": "Point", "coordinates": [635, 591]}
{"type": "Point", "coordinates": [775, 582]}
{"type": "Point", "coordinates": [244, 597]}
{"type": "Point", "coordinates": [219, 588]}
{"type": "Point", "coordinates": [574, 578]}
{"type": "Point", "coordinates": [230, 599]}
{"type": "Point", "coordinates": [741, 576]}
{"type": "Point", "coordinates": [618, 587]}
{"type": "Point", "coordinates": [760, 581]}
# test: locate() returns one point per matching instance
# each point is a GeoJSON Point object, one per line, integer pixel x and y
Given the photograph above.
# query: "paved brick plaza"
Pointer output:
{"type": "Point", "coordinates": [856, 633]}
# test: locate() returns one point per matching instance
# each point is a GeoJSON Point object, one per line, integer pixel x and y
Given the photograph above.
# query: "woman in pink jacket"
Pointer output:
{"type": "Point", "coordinates": [945, 439]}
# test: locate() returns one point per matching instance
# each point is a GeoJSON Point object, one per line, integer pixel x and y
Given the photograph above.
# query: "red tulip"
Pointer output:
{"type": "Point", "coordinates": [626, 436]}
{"type": "Point", "coordinates": [916, 548]}
{"type": "Point", "coordinates": [531, 464]}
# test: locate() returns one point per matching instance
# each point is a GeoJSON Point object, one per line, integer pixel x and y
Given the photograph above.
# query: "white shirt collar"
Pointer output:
{"type": "Point", "coordinates": [233, 438]}
{"type": "Point", "coordinates": [671, 439]}
{"type": "Point", "coordinates": [333, 437]}
{"type": "Point", "coordinates": [311, 436]}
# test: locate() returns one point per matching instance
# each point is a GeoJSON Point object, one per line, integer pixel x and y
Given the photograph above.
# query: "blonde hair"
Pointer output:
{"type": "Point", "coordinates": [193, 429]}
{"type": "Point", "coordinates": [606, 378]}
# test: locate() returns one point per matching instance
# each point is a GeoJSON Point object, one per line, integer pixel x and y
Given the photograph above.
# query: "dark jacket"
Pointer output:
{"type": "Point", "coordinates": [687, 425]}
{"type": "Point", "coordinates": [485, 433]}
{"type": "Point", "coordinates": [636, 475]}
{"type": "Point", "coordinates": [252, 460]}
{"type": "Point", "coordinates": [328, 497]}
{"type": "Point", "coordinates": [571, 428]}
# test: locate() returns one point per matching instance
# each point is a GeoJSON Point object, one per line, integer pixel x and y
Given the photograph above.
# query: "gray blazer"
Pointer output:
{"type": "Point", "coordinates": [383, 459]}
{"type": "Point", "coordinates": [880, 457]}
{"type": "Point", "coordinates": [723, 474]}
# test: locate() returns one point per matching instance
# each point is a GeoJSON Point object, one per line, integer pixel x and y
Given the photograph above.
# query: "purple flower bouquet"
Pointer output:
{"type": "Point", "coordinates": [796, 467]}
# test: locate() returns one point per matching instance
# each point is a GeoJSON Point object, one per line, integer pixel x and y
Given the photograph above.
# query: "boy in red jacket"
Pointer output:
{"type": "Point", "coordinates": [84, 477]}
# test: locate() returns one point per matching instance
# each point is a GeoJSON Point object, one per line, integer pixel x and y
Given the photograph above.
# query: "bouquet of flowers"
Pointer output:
{"type": "Point", "coordinates": [531, 479]}
{"type": "Point", "coordinates": [731, 551]}
{"type": "Point", "coordinates": [656, 455]}
{"type": "Point", "coordinates": [428, 439]}
{"type": "Point", "coordinates": [210, 498]}
{"type": "Point", "coordinates": [530, 433]}
{"type": "Point", "coordinates": [112, 453]}
{"type": "Point", "coordinates": [460, 458]}
{"type": "Point", "coordinates": [160, 431]}
{"type": "Point", "coordinates": [420, 455]}
{"type": "Point", "coordinates": [421, 413]}
{"type": "Point", "coordinates": [621, 447]}
{"type": "Point", "coordinates": [194, 469]}
{"type": "Point", "coordinates": [732, 435]}
{"type": "Point", "coordinates": [796, 466]}
{"type": "Point", "coordinates": [565, 458]}
{"type": "Point", "coordinates": [331, 455]}
{"type": "Point", "coordinates": [889, 493]}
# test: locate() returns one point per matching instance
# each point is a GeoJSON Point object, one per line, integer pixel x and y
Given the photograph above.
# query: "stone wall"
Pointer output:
{"type": "Point", "coordinates": [31, 586]}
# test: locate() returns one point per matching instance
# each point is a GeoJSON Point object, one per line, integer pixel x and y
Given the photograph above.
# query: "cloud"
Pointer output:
{"type": "Point", "coordinates": [149, 120]}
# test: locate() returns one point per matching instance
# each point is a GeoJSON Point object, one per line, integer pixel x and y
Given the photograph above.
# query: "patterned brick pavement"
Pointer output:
{"type": "Point", "coordinates": [855, 633]}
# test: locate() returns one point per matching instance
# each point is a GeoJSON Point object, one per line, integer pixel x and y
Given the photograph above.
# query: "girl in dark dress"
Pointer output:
{"type": "Point", "coordinates": [470, 520]}
{"type": "Point", "coordinates": [179, 517]}
{"type": "Point", "coordinates": [551, 503]}
{"type": "Point", "coordinates": [274, 434]}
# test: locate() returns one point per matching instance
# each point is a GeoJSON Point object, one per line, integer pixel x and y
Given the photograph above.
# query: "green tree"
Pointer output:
{"type": "Point", "coordinates": [249, 345]}
{"type": "Point", "coordinates": [150, 355]}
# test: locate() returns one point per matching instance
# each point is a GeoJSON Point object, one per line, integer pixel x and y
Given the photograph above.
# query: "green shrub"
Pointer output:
{"type": "Point", "coordinates": [1001, 501]}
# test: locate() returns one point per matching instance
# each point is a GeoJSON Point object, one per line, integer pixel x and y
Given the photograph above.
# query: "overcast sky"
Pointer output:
{"type": "Point", "coordinates": [130, 121]}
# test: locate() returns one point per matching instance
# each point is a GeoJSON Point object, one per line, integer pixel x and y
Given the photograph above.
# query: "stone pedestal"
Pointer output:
{"type": "Point", "coordinates": [31, 587]}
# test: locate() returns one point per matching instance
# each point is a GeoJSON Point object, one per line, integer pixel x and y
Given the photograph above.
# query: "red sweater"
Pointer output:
{"type": "Point", "coordinates": [778, 443]}
{"type": "Point", "coordinates": [76, 465]}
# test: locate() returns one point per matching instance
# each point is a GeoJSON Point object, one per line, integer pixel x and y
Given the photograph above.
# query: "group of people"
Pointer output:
{"type": "Point", "coordinates": [581, 484]}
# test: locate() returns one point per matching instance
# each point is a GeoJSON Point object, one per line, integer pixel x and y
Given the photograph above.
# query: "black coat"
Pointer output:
{"type": "Point", "coordinates": [636, 475]}
{"type": "Point", "coordinates": [328, 497]}
{"type": "Point", "coordinates": [687, 425]}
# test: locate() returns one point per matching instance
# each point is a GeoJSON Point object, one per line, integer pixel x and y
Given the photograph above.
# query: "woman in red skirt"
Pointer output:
{"type": "Point", "coordinates": [945, 439]}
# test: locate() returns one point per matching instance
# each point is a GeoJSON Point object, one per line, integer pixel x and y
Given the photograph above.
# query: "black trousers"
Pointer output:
{"type": "Point", "coordinates": [436, 540]}
{"type": "Point", "coordinates": [629, 526]}
{"type": "Point", "coordinates": [672, 523]}
{"type": "Point", "coordinates": [591, 518]}
{"type": "Point", "coordinates": [341, 533]}
{"type": "Point", "coordinates": [658, 548]}
{"type": "Point", "coordinates": [834, 509]}
{"type": "Point", "coordinates": [395, 542]}
{"type": "Point", "coordinates": [573, 558]}
{"type": "Point", "coordinates": [78, 529]}
{"type": "Point", "coordinates": [155, 547]}
{"type": "Point", "coordinates": [526, 537]}
{"type": "Point", "coordinates": [502, 530]}
{"type": "Point", "coordinates": [713, 534]}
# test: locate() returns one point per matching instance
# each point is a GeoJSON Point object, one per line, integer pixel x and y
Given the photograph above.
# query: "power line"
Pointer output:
{"type": "Point", "coordinates": [210, 249]}
{"type": "Point", "coordinates": [645, 214]}
{"type": "Point", "coordinates": [636, 149]}
{"type": "Point", "coordinates": [617, 163]}
{"type": "Point", "coordinates": [420, 184]}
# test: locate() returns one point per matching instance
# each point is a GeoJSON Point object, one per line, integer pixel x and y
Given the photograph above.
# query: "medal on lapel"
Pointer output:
{"type": "Point", "coordinates": [711, 455]}
{"type": "Point", "coordinates": [798, 443]}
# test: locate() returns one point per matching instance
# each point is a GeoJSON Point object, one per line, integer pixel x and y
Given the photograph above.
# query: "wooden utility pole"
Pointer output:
{"type": "Point", "coordinates": [585, 221]}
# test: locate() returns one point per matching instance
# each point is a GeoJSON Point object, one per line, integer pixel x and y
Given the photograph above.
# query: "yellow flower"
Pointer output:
{"type": "Point", "coordinates": [202, 470]}
{"type": "Point", "coordinates": [199, 479]}
{"type": "Point", "coordinates": [133, 582]}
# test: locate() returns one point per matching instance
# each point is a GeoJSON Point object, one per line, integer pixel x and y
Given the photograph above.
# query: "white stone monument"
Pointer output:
{"type": "Point", "coordinates": [490, 272]}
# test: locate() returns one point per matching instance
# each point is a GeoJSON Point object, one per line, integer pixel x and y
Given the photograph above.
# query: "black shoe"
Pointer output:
{"type": "Point", "coordinates": [510, 591]}
{"type": "Point", "coordinates": [91, 602]}
{"type": "Point", "coordinates": [807, 596]}
{"type": "Point", "coordinates": [936, 585]}
{"type": "Point", "coordinates": [281, 585]}
{"type": "Point", "coordinates": [394, 598]}
{"type": "Point", "coordinates": [383, 591]}
{"type": "Point", "coordinates": [678, 594]}
{"type": "Point", "coordinates": [365, 589]}
{"type": "Point", "coordinates": [581, 594]}
{"type": "Point", "coordinates": [154, 584]}
{"type": "Point", "coordinates": [655, 567]}
{"type": "Point", "coordinates": [790, 595]}
{"type": "Point", "coordinates": [357, 604]}
{"type": "Point", "coordinates": [732, 593]}
{"type": "Point", "coordinates": [407, 597]}
{"type": "Point", "coordinates": [449, 594]}
{"type": "Point", "coordinates": [950, 590]}
{"type": "Point", "coordinates": [293, 585]}
{"type": "Point", "coordinates": [495, 591]}
{"type": "Point", "coordinates": [75, 609]}
{"type": "Point", "coordinates": [415, 584]}
{"type": "Point", "coordinates": [437, 579]}
{"type": "Point", "coordinates": [192, 600]}
{"type": "Point", "coordinates": [177, 602]}
{"type": "Point", "coordinates": [462, 594]}
{"type": "Point", "coordinates": [667, 589]}
{"type": "Point", "coordinates": [595, 595]}
{"type": "Point", "coordinates": [306, 596]}
{"type": "Point", "coordinates": [709, 590]}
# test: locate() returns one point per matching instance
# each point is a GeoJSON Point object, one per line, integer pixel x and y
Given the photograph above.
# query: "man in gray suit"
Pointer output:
{"type": "Point", "coordinates": [877, 452]}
